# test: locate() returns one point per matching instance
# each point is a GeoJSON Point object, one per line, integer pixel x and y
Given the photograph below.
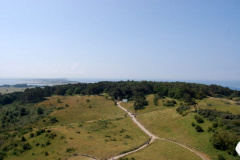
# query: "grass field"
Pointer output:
{"type": "Point", "coordinates": [5, 90]}
{"type": "Point", "coordinates": [101, 130]}
{"type": "Point", "coordinates": [79, 108]}
{"type": "Point", "coordinates": [165, 151]}
{"type": "Point", "coordinates": [100, 139]}
{"type": "Point", "coordinates": [166, 122]}
{"type": "Point", "coordinates": [223, 105]}
{"type": "Point", "coordinates": [93, 125]}
{"type": "Point", "coordinates": [150, 107]}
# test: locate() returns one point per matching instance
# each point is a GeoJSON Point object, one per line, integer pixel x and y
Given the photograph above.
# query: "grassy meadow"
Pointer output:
{"type": "Point", "coordinates": [93, 125]}
{"type": "Point", "coordinates": [74, 109]}
{"type": "Point", "coordinates": [163, 150]}
{"type": "Point", "coordinates": [166, 122]}
{"type": "Point", "coordinates": [90, 125]}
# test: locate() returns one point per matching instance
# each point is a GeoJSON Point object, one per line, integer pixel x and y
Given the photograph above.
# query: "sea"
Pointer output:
{"type": "Point", "coordinates": [235, 85]}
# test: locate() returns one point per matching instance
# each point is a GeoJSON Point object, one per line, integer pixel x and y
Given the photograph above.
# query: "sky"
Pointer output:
{"type": "Point", "coordinates": [120, 39]}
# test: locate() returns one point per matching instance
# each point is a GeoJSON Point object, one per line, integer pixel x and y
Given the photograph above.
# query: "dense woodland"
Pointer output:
{"type": "Point", "coordinates": [122, 89]}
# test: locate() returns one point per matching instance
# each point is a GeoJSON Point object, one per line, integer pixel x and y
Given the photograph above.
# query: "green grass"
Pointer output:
{"type": "Point", "coordinates": [169, 124]}
{"type": "Point", "coordinates": [94, 131]}
{"type": "Point", "coordinates": [215, 103]}
{"type": "Point", "coordinates": [79, 109]}
{"type": "Point", "coordinates": [165, 151]}
{"type": "Point", "coordinates": [100, 139]}
{"type": "Point", "coordinates": [150, 107]}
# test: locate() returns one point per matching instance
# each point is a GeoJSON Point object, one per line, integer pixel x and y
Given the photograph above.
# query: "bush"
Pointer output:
{"type": "Point", "coordinates": [26, 146]}
{"type": "Point", "coordinates": [2, 155]}
{"type": "Point", "coordinates": [193, 124]}
{"type": "Point", "coordinates": [39, 110]}
{"type": "Point", "coordinates": [39, 132]}
{"type": "Point", "coordinates": [199, 128]}
{"type": "Point", "coordinates": [87, 100]}
{"type": "Point", "coordinates": [127, 136]}
{"type": "Point", "coordinates": [70, 149]}
{"type": "Point", "coordinates": [23, 139]}
{"type": "Point", "coordinates": [215, 125]}
{"type": "Point", "coordinates": [220, 157]}
{"type": "Point", "coordinates": [170, 103]}
{"type": "Point", "coordinates": [181, 110]}
{"type": "Point", "coordinates": [209, 129]}
{"type": "Point", "coordinates": [46, 153]}
{"type": "Point", "coordinates": [58, 100]}
{"type": "Point", "coordinates": [198, 118]}
{"type": "Point", "coordinates": [59, 108]}
{"type": "Point", "coordinates": [31, 135]}
{"type": "Point", "coordinates": [53, 120]}
{"type": "Point", "coordinates": [48, 143]}
{"type": "Point", "coordinates": [225, 141]}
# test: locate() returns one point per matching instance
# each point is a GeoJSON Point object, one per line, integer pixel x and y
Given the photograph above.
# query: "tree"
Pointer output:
{"type": "Point", "coordinates": [140, 101]}
{"type": "Point", "coordinates": [76, 91]}
{"type": "Point", "coordinates": [69, 92]}
{"type": "Point", "coordinates": [40, 110]}
{"type": "Point", "coordinates": [199, 128]}
{"type": "Point", "coordinates": [155, 100]}
{"type": "Point", "coordinates": [190, 101]}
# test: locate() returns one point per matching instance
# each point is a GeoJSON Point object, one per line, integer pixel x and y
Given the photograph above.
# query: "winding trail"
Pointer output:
{"type": "Point", "coordinates": [153, 138]}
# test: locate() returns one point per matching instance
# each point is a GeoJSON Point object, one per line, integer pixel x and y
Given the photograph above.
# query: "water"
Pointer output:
{"type": "Point", "coordinates": [235, 85]}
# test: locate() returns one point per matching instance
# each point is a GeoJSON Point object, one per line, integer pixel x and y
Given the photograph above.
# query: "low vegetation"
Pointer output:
{"type": "Point", "coordinates": [55, 122]}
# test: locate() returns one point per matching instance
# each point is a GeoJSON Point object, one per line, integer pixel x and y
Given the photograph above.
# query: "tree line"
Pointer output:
{"type": "Point", "coordinates": [122, 89]}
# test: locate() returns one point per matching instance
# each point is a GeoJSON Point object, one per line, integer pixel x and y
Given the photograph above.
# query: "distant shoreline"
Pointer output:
{"type": "Point", "coordinates": [234, 85]}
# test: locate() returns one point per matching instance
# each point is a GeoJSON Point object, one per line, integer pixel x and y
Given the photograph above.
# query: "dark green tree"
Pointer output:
{"type": "Point", "coordinates": [140, 101]}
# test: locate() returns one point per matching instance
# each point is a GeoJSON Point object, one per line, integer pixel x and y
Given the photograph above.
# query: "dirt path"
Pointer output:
{"type": "Point", "coordinates": [153, 137]}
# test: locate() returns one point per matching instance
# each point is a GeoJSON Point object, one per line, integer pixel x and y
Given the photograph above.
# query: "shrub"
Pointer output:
{"type": "Point", "coordinates": [31, 135]}
{"type": "Point", "coordinates": [39, 110]}
{"type": "Point", "coordinates": [59, 108]}
{"type": "Point", "coordinates": [53, 120]}
{"type": "Point", "coordinates": [127, 136]}
{"type": "Point", "coordinates": [198, 118]}
{"type": "Point", "coordinates": [88, 100]}
{"type": "Point", "coordinates": [220, 157]}
{"type": "Point", "coordinates": [225, 141]}
{"type": "Point", "coordinates": [39, 132]}
{"type": "Point", "coordinates": [209, 129]}
{"type": "Point", "coordinates": [58, 100]}
{"type": "Point", "coordinates": [199, 128]}
{"type": "Point", "coordinates": [66, 105]}
{"type": "Point", "coordinates": [182, 110]}
{"type": "Point", "coordinates": [193, 124]}
{"type": "Point", "coordinates": [48, 143]}
{"type": "Point", "coordinates": [170, 103]}
{"type": "Point", "coordinates": [23, 139]}
{"type": "Point", "coordinates": [26, 146]}
{"type": "Point", "coordinates": [2, 155]}
{"type": "Point", "coordinates": [215, 125]}
{"type": "Point", "coordinates": [70, 149]}
{"type": "Point", "coordinates": [46, 153]}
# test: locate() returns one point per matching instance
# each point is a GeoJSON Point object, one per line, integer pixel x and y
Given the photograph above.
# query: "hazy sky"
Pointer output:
{"type": "Point", "coordinates": [128, 39]}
